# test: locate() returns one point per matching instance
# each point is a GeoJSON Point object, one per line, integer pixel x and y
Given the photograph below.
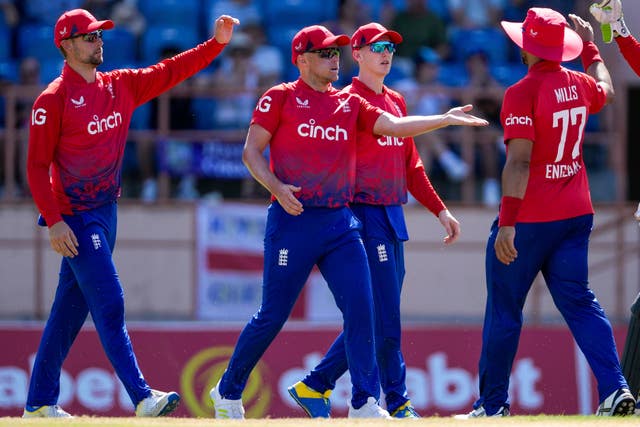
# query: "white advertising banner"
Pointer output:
{"type": "Point", "coordinates": [230, 262]}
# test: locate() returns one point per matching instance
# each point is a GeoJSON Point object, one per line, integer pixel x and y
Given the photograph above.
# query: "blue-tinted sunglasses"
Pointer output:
{"type": "Point", "coordinates": [379, 47]}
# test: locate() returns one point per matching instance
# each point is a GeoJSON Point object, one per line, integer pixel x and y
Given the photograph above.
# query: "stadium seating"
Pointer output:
{"type": "Point", "coordinates": [299, 13]}
{"type": "Point", "coordinates": [492, 41]}
{"type": "Point", "coordinates": [120, 46]}
{"type": "Point", "coordinates": [158, 37]}
{"type": "Point", "coordinates": [37, 40]}
{"type": "Point", "coordinates": [170, 12]}
{"type": "Point", "coordinates": [50, 69]}
{"type": "Point", "coordinates": [8, 70]}
{"type": "Point", "coordinates": [5, 43]}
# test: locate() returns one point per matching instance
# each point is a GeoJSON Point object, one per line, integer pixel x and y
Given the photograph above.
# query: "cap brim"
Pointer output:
{"type": "Point", "coordinates": [571, 49]}
{"type": "Point", "coordinates": [100, 25]}
{"type": "Point", "coordinates": [339, 40]}
{"type": "Point", "coordinates": [393, 36]}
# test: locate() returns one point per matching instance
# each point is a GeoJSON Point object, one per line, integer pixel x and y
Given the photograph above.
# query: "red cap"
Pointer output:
{"type": "Point", "coordinates": [77, 21]}
{"type": "Point", "coordinates": [371, 33]}
{"type": "Point", "coordinates": [313, 38]}
{"type": "Point", "coordinates": [545, 34]}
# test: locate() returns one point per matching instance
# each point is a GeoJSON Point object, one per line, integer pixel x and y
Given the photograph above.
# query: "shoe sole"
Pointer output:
{"type": "Point", "coordinates": [624, 407]}
{"type": "Point", "coordinates": [172, 404]}
{"type": "Point", "coordinates": [294, 395]}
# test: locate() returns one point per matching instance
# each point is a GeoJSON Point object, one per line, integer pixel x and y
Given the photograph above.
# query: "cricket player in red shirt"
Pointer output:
{"type": "Point", "coordinates": [311, 130]}
{"type": "Point", "coordinates": [609, 14]}
{"type": "Point", "coordinates": [546, 214]}
{"type": "Point", "coordinates": [386, 167]}
{"type": "Point", "coordinates": [77, 136]}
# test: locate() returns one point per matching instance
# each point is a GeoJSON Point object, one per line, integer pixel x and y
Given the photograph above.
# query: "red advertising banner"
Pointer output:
{"type": "Point", "coordinates": [549, 375]}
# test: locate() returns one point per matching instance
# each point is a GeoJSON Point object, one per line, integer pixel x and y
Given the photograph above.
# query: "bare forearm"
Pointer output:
{"type": "Point", "coordinates": [259, 168]}
{"type": "Point", "coordinates": [515, 176]}
{"type": "Point", "coordinates": [407, 126]}
{"type": "Point", "coordinates": [598, 70]}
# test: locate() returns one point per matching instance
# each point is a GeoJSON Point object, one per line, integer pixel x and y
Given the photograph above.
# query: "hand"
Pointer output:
{"type": "Point", "coordinates": [504, 245]}
{"type": "Point", "coordinates": [637, 214]}
{"type": "Point", "coordinates": [607, 11]}
{"type": "Point", "coordinates": [609, 14]}
{"type": "Point", "coordinates": [451, 226]}
{"type": "Point", "coordinates": [63, 240]}
{"type": "Point", "coordinates": [288, 201]}
{"type": "Point", "coordinates": [223, 29]}
{"type": "Point", "coordinates": [582, 27]}
{"type": "Point", "coordinates": [458, 116]}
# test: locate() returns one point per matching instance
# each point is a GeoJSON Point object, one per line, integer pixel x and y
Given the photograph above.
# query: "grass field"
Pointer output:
{"type": "Point", "coordinates": [533, 421]}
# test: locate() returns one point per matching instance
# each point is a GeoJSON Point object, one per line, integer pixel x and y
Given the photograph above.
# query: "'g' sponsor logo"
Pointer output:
{"type": "Point", "coordinates": [202, 372]}
{"type": "Point", "coordinates": [264, 104]}
{"type": "Point", "coordinates": [518, 120]}
{"type": "Point", "coordinates": [38, 116]}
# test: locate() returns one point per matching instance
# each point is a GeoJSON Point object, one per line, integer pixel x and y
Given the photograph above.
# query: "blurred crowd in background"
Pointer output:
{"type": "Point", "coordinates": [454, 52]}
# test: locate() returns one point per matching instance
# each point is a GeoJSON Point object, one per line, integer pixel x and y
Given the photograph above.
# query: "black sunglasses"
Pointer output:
{"type": "Point", "coordinates": [91, 37]}
{"type": "Point", "coordinates": [326, 53]}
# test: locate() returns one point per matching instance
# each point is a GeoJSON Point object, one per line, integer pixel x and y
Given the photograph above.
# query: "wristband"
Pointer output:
{"type": "Point", "coordinates": [509, 207]}
{"type": "Point", "coordinates": [589, 55]}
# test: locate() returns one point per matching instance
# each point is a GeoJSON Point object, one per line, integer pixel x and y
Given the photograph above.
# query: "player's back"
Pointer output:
{"type": "Point", "coordinates": [550, 106]}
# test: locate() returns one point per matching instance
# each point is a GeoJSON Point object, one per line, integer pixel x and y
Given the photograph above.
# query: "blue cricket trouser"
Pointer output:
{"type": "Point", "coordinates": [330, 239]}
{"type": "Point", "coordinates": [88, 283]}
{"type": "Point", "coordinates": [386, 263]}
{"type": "Point", "coordinates": [559, 250]}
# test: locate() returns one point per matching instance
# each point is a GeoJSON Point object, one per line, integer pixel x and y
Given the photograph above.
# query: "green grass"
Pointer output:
{"type": "Point", "coordinates": [535, 421]}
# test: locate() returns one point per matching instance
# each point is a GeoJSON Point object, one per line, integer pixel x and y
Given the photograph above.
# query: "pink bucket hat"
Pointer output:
{"type": "Point", "coordinates": [545, 34]}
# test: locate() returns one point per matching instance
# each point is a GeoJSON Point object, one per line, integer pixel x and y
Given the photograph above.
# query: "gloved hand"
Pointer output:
{"type": "Point", "coordinates": [609, 14]}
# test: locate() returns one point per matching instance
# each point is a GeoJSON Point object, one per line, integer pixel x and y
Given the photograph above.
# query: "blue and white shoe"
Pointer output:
{"type": "Point", "coordinates": [158, 404]}
{"type": "Point", "coordinates": [46, 411]}
{"type": "Point", "coordinates": [480, 412]}
{"type": "Point", "coordinates": [405, 411]}
{"type": "Point", "coordinates": [314, 403]}
{"type": "Point", "coordinates": [618, 403]}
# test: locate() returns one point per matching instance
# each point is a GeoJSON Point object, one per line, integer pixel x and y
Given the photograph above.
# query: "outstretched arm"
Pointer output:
{"type": "Point", "coordinates": [388, 124]}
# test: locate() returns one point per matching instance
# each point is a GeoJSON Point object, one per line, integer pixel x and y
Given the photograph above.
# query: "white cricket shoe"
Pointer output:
{"type": "Point", "coordinates": [46, 411]}
{"type": "Point", "coordinates": [371, 409]}
{"type": "Point", "coordinates": [618, 403]}
{"type": "Point", "coordinates": [158, 404]}
{"type": "Point", "coordinates": [226, 409]}
{"type": "Point", "coordinates": [480, 413]}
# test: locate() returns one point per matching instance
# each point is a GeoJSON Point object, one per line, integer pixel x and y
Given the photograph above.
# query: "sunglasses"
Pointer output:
{"type": "Point", "coordinates": [379, 47]}
{"type": "Point", "coordinates": [327, 53]}
{"type": "Point", "coordinates": [89, 37]}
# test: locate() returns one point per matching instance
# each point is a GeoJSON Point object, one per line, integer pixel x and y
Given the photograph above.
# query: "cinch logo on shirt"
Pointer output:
{"type": "Point", "coordinates": [517, 120]}
{"type": "Point", "coordinates": [390, 141]}
{"type": "Point", "coordinates": [99, 125]}
{"type": "Point", "coordinates": [309, 130]}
